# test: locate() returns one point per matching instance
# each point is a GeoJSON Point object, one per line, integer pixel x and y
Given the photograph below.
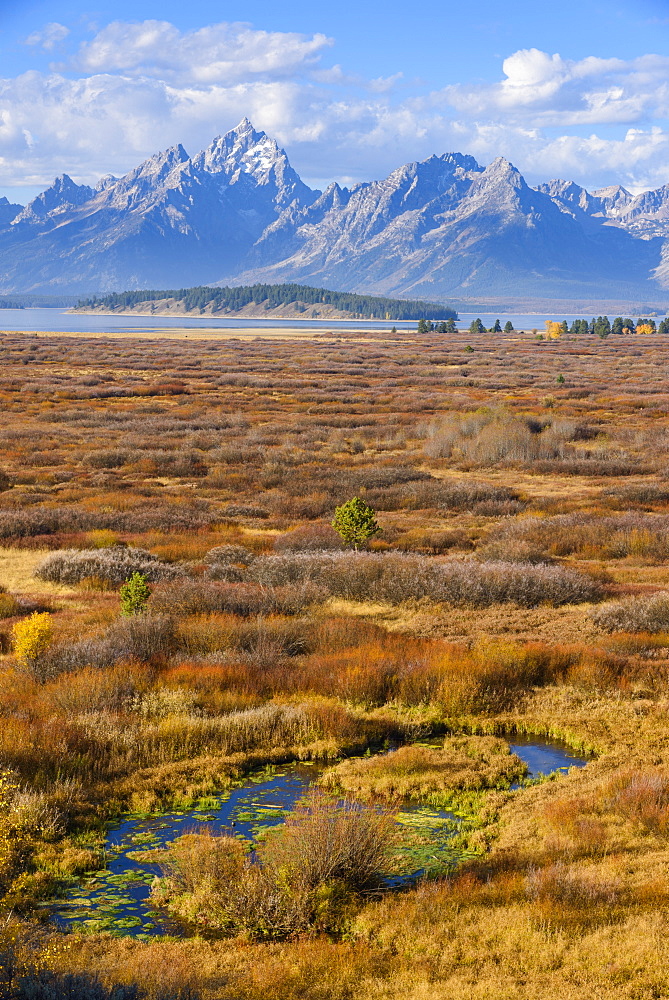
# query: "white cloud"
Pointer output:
{"type": "Point", "coordinates": [552, 91]}
{"type": "Point", "coordinates": [220, 53]}
{"type": "Point", "coordinates": [136, 88]}
{"type": "Point", "coordinates": [50, 36]}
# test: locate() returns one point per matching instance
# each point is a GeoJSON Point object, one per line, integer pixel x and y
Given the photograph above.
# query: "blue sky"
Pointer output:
{"type": "Point", "coordinates": [352, 90]}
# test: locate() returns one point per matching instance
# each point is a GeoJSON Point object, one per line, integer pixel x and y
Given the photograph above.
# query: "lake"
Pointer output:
{"type": "Point", "coordinates": [62, 321]}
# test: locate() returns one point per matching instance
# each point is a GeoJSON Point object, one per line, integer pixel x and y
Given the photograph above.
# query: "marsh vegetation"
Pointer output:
{"type": "Point", "coordinates": [518, 585]}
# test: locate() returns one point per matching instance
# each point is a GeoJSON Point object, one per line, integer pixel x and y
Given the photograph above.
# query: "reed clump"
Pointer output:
{"type": "Point", "coordinates": [425, 773]}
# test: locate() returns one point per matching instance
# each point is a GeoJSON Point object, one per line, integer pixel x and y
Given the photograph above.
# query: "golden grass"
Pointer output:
{"type": "Point", "coordinates": [17, 567]}
{"type": "Point", "coordinates": [532, 484]}
{"type": "Point", "coordinates": [427, 773]}
{"type": "Point", "coordinates": [567, 624]}
{"type": "Point", "coordinates": [205, 333]}
{"type": "Point", "coordinates": [418, 947]}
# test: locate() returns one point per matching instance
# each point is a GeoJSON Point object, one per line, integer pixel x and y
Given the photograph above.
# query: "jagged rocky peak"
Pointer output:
{"type": "Point", "coordinates": [650, 204]}
{"type": "Point", "coordinates": [105, 182]}
{"type": "Point", "coordinates": [243, 155]}
{"type": "Point", "coordinates": [437, 172]}
{"type": "Point", "coordinates": [614, 199]}
{"type": "Point", "coordinates": [158, 167]}
{"type": "Point", "coordinates": [61, 196]}
{"type": "Point", "coordinates": [571, 197]}
{"type": "Point", "coordinates": [238, 212]}
{"type": "Point", "coordinates": [457, 164]}
{"type": "Point", "coordinates": [241, 149]}
{"type": "Point", "coordinates": [8, 212]}
{"type": "Point", "coordinates": [334, 196]}
{"type": "Point", "coordinates": [499, 185]}
{"type": "Point", "coordinates": [147, 182]}
{"type": "Point", "coordinates": [501, 171]}
{"type": "Point", "coordinates": [566, 191]}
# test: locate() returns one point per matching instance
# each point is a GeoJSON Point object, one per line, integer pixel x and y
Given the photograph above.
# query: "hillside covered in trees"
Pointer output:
{"type": "Point", "coordinates": [287, 300]}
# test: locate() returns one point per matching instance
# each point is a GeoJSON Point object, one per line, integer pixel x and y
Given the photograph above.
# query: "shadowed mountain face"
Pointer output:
{"type": "Point", "coordinates": [237, 213]}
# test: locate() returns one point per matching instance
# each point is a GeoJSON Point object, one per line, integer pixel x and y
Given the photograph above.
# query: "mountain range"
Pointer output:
{"type": "Point", "coordinates": [237, 213]}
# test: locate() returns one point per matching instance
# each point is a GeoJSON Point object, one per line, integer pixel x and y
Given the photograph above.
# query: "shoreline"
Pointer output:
{"type": "Point", "coordinates": [298, 317]}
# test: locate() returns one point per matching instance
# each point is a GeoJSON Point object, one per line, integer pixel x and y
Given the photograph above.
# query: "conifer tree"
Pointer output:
{"type": "Point", "coordinates": [355, 521]}
{"type": "Point", "coordinates": [134, 595]}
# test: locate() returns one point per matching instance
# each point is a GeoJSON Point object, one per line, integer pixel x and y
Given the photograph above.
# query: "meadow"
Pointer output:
{"type": "Point", "coordinates": [519, 585]}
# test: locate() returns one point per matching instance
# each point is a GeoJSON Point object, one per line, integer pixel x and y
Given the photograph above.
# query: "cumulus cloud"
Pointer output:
{"type": "Point", "coordinates": [552, 91]}
{"type": "Point", "coordinates": [49, 37]}
{"type": "Point", "coordinates": [136, 88]}
{"type": "Point", "coordinates": [217, 54]}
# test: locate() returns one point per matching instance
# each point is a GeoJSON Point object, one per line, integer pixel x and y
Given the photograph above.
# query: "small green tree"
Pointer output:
{"type": "Point", "coordinates": [476, 326]}
{"type": "Point", "coordinates": [356, 522]}
{"type": "Point", "coordinates": [508, 326]}
{"type": "Point", "coordinates": [134, 594]}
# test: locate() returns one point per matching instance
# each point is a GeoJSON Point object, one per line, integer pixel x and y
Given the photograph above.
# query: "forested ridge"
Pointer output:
{"type": "Point", "coordinates": [272, 296]}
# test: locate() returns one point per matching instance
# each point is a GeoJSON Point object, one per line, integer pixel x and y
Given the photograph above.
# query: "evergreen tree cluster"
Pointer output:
{"type": "Point", "coordinates": [602, 326]}
{"type": "Point", "coordinates": [476, 326]}
{"type": "Point", "coordinates": [271, 296]}
{"type": "Point", "coordinates": [445, 326]}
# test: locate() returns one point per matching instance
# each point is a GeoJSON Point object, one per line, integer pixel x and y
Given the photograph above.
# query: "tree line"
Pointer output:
{"type": "Point", "coordinates": [271, 296]}
{"type": "Point", "coordinates": [603, 327]}
{"type": "Point", "coordinates": [599, 327]}
{"type": "Point", "coordinates": [448, 326]}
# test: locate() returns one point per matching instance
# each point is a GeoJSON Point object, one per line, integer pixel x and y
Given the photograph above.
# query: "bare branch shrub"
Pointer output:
{"type": "Point", "coordinates": [307, 538]}
{"type": "Point", "coordinates": [114, 565]}
{"type": "Point", "coordinates": [643, 796]}
{"type": "Point", "coordinates": [141, 638]}
{"type": "Point", "coordinates": [614, 536]}
{"type": "Point", "coordinates": [244, 599]}
{"type": "Point", "coordinates": [398, 577]}
{"type": "Point", "coordinates": [324, 840]}
{"type": "Point", "coordinates": [226, 555]}
{"type": "Point", "coordinates": [636, 614]}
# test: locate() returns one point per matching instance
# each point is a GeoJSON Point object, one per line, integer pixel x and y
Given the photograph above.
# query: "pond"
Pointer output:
{"type": "Point", "coordinates": [117, 899]}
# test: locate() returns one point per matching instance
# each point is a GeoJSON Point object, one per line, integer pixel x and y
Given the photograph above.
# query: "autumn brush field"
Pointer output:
{"type": "Point", "coordinates": [519, 584]}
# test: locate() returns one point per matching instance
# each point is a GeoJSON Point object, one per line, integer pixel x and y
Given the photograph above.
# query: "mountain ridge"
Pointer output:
{"type": "Point", "coordinates": [238, 213]}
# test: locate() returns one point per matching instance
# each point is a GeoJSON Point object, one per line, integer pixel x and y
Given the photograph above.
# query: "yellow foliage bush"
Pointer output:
{"type": "Point", "coordinates": [32, 636]}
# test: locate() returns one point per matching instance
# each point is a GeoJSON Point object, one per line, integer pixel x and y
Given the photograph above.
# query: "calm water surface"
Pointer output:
{"type": "Point", "coordinates": [60, 320]}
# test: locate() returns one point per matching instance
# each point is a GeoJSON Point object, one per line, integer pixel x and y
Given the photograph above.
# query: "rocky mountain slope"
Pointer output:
{"type": "Point", "coordinates": [238, 213]}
